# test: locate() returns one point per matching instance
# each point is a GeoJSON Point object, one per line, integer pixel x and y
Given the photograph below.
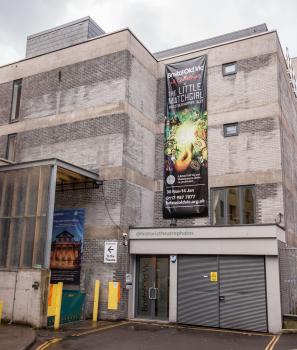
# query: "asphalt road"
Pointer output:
{"type": "Point", "coordinates": [140, 336]}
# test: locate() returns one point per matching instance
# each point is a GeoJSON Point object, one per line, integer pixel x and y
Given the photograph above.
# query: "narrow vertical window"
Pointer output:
{"type": "Point", "coordinates": [16, 100]}
{"type": "Point", "coordinates": [233, 206]}
{"type": "Point", "coordinates": [11, 147]}
{"type": "Point", "coordinates": [218, 207]}
{"type": "Point", "coordinates": [248, 206]}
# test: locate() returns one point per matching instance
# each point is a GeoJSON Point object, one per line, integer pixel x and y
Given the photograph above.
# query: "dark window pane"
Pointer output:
{"type": "Point", "coordinates": [162, 284]}
{"type": "Point", "coordinates": [11, 147]}
{"type": "Point", "coordinates": [218, 207]}
{"type": "Point", "coordinates": [14, 245]}
{"type": "Point", "coordinates": [231, 129]}
{"type": "Point", "coordinates": [248, 206]}
{"type": "Point", "coordinates": [16, 99]}
{"type": "Point", "coordinates": [4, 233]}
{"type": "Point", "coordinates": [41, 223]}
{"type": "Point", "coordinates": [145, 282]}
{"type": "Point", "coordinates": [28, 242]}
{"type": "Point", "coordinates": [229, 68]}
{"type": "Point", "coordinates": [233, 206]}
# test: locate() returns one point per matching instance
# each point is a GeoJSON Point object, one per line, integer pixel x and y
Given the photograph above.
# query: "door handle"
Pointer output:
{"type": "Point", "coordinates": [153, 293]}
{"type": "Point", "coordinates": [222, 298]}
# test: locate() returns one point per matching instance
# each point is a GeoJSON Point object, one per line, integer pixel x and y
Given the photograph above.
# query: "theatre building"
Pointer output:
{"type": "Point", "coordinates": [173, 173]}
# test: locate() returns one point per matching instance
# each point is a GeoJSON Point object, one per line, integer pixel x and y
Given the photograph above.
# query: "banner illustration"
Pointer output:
{"type": "Point", "coordinates": [67, 240]}
{"type": "Point", "coordinates": [185, 140]}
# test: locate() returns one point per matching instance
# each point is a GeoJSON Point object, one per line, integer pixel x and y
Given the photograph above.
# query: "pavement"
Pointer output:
{"type": "Point", "coordinates": [13, 337]}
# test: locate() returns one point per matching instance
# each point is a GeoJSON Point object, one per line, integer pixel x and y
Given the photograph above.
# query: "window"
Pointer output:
{"type": "Point", "coordinates": [229, 68]}
{"type": "Point", "coordinates": [231, 129]}
{"type": "Point", "coordinates": [16, 99]}
{"type": "Point", "coordinates": [233, 205]}
{"type": "Point", "coordinates": [11, 147]}
{"type": "Point", "coordinates": [24, 216]}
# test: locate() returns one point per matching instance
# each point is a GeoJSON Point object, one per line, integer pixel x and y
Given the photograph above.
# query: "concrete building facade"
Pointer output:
{"type": "Point", "coordinates": [99, 103]}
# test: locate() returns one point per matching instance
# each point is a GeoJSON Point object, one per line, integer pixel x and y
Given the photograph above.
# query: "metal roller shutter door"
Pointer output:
{"type": "Point", "coordinates": [237, 300]}
{"type": "Point", "coordinates": [198, 301]}
{"type": "Point", "coordinates": [242, 284]}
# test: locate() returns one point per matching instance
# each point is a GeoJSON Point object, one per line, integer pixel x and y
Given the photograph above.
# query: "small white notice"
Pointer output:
{"type": "Point", "coordinates": [110, 252]}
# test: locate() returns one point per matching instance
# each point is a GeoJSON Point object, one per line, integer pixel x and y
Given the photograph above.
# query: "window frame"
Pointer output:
{"type": "Point", "coordinates": [9, 137]}
{"type": "Point", "coordinates": [225, 65]}
{"type": "Point", "coordinates": [240, 201]}
{"type": "Point", "coordinates": [18, 101]}
{"type": "Point", "coordinates": [225, 126]}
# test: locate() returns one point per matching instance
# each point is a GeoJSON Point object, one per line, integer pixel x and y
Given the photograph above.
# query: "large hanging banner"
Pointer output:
{"type": "Point", "coordinates": [185, 140]}
{"type": "Point", "coordinates": [67, 241]}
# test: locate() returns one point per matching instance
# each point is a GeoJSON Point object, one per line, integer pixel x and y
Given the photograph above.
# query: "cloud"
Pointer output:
{"type": "Point", "coordinates": [158, 24]}
{"type": "Point", "coordinates": [21, 18]}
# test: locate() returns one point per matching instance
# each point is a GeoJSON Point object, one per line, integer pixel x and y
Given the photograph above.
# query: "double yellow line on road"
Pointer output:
{"type": "Point", "coordinates": [99, 329]}
{"type": "Point", "coordinates": [56, 340]}
{"type": "Point", "coordinates": [272, 342]}
{"type": "Point", "coordinates": [270, 345]}
{"type": "Point", "coordinates": [48, 343]}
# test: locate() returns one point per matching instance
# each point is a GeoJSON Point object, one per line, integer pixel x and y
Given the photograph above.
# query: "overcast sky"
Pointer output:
{"type": "Point", "coordinates": [159, 24]}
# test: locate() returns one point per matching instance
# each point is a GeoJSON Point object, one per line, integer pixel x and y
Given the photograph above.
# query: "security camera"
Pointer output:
{"type": "Point", "coordinates": [125, 238]}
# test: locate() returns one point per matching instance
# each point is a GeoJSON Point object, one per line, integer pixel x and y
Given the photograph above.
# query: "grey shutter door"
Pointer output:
{"type": "Point", "coordinates": [243, 288]}
{"type": "Point", "coordinates": [198, 298]}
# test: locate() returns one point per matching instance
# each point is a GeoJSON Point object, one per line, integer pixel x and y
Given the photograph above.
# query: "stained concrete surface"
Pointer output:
{"type": "Point", "coordinates": [13, 337]}
{"type": "Point", "coordinates": [144, 336]}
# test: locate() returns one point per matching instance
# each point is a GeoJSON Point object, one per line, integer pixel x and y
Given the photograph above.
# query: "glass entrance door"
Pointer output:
{"type": "Point", "coordinates": [152, 295]}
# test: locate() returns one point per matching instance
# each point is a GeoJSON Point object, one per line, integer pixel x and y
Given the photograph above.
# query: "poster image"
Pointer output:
{"type": "Point", "coordinates": [185, 140]}
{"type": "Point", "coordinates": [67, 241]}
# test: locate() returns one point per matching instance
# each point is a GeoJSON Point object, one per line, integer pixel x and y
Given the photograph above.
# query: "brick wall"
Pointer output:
{"type": "Point", "coordinates": [288, 122]}
{"type": "Point", "coordinates": [103, 210]}
{"type": "Point", "coordinates": [111, 141]}
{"type": "Point", "coordinates": [93, 268]}
{"type": "Point", "coordinates": [3, 145]}
{"type": "Point", "coordinates": [139, 148]}
{"type": "Point", "coordinates": [5, 102]}
{"type": "Point", "coordinates": [255, 150]}
{"type": "Point", "coordinates": [91, 143]}
{"type": "Point", "coordinates": [63, 36]}
{"type": "Point", "coordinates": [142, 89]}
{"type": "Point", "coordinates": [86, 84]}
{"type": "Point", "coordinates": [269, 202]}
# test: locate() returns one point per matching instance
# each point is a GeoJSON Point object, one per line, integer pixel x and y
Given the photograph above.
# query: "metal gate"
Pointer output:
{"type": "Point", "coordinates": [72, 307]}
{"type": "Point", "coordinates": [222, 291]}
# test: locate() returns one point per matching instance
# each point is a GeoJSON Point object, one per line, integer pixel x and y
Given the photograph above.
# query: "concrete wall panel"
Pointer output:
{"type": "Point", "coordinates": [22, 303]}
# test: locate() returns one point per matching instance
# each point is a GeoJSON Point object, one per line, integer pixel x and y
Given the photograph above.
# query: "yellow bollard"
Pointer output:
{"type": "Point", "coordinates": [96, 300]}
{"type": "Point", "coordinates": [1, 308]}
{"type": "Point", "coordinates": [58, 305]}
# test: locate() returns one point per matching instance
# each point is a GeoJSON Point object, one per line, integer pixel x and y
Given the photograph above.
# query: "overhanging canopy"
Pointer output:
{"type": "Point", "coordinates": [69, 176]}
{"type": "Point", "coordinates": [27, 202]}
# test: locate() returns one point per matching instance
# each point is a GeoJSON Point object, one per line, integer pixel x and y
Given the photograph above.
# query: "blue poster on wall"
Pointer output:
{"type": "Point", "coordinates": [67, 242]}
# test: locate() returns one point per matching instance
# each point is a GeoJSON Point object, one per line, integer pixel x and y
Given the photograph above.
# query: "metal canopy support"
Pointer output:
{"type": "Point", "coordinates": [75, 186]}
{"type": "Point", "coordinates": [50, 216]}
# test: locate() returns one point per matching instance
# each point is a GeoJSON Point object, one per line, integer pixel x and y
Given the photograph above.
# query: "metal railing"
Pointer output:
{"type": "Point", "coordinates": [288, 280]}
